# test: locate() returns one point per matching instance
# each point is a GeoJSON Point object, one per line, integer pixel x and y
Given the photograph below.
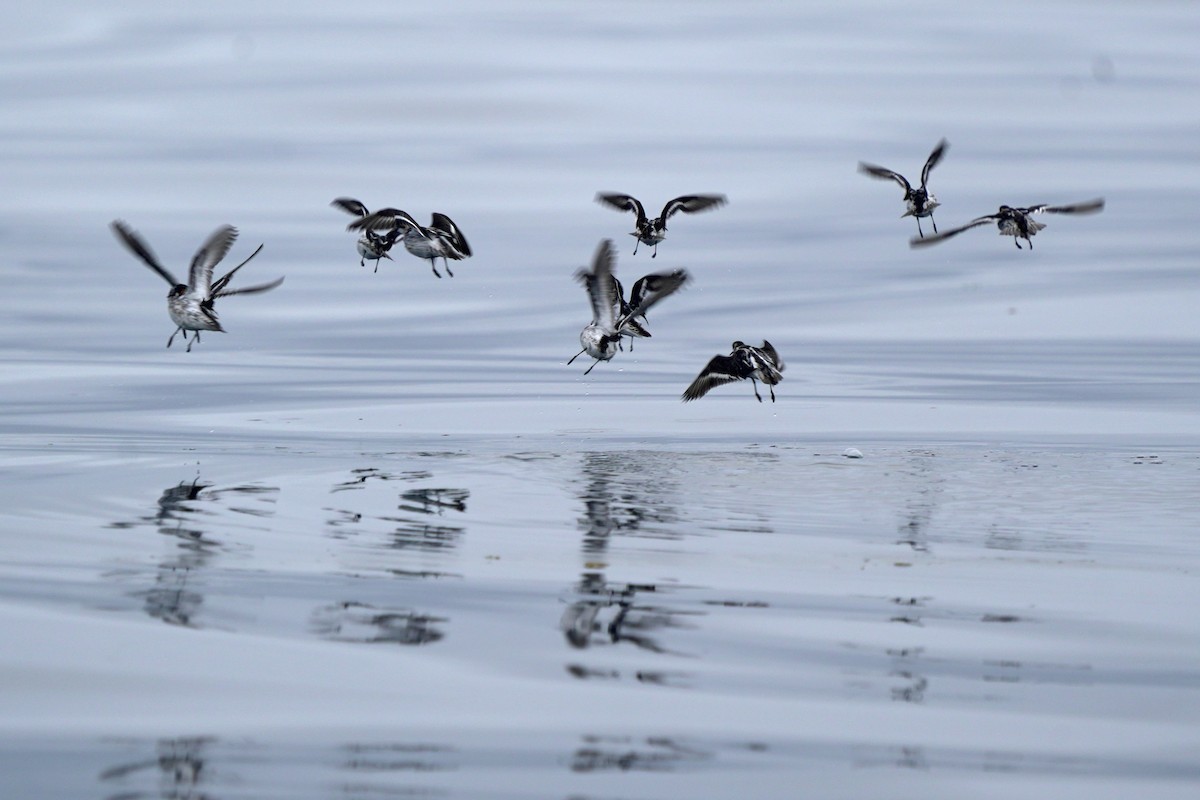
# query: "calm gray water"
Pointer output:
{"type": "Point", "coordinates": [379, 540]}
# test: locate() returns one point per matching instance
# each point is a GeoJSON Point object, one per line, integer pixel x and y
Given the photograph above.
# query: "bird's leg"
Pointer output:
{"type": "Point", "coordinates": [772, 388]}
{"type": "Point", "coordinates": [920, 232]}
{"type": "Point", "coordinates": [363, 262]}
{"type": "Point", "coordinates": [593, 366]}
{"type": "Point", "coordinates": [655, 253]}
{"type": "Point", "coordinates": [195, 338]}
{"type": "Point", "coordinates": [177, 330]}
{"type": "Point", "coordinates": [931, 219]}
{"type": "Point", "coordinates": [433, 263]}
{"type": "Point", "coordinates": [636, 243]}
{"type": "Point", "coordinates": [446, 264]}
{"type": "Point", "coordinates": [577, 355]}
{"type": "Point", "coordinates": [1017, 242]}
{"type": "Point", "coordinates": [754, 384]}
{"type": "Point", "coordinates": [377, 265]}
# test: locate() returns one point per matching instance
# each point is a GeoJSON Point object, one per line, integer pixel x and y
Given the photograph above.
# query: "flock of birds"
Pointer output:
{"type": "Point", "coordinates": [614, 317]}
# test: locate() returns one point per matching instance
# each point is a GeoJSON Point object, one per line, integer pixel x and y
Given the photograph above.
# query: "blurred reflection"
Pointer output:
{"type": "Point", "coordinates": [627, 494]}
{"type": "Point", "coordinates": [186, 512]}
{"type": "Point", "coordinates": [181, 767]}
{"type": "Point", "coordinates": [360, 476]}
{"type": "Point", "coordinates": [625, 754]}
{"type": "Point", "coordinates": [909, 610]}
{"type": "Point", "coordinates": [623, 494]}
{"type": "Point", "coordinates": [397, 757]}
{"type": "Point", "coordinates": [913, 529]}
{"type": "Point", "coordinates": [906, 667]}
{"type": "Point", "coordinates": [362, 622]}
{"type": "Point", "coordinates": [203, 768]}
{"type": "Point", "coordinates": [434, 501]}
{"type": "Point", "coordinates": [614, 613]}
{"type": "Point", "coordinates": [412, 531]}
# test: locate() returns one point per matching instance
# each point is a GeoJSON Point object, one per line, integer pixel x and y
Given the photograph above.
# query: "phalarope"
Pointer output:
{"type": "Point", "coordinates": [652, 231]}
{"type": "Point", "coordinates": [611, 317]}
{"type": "Point", "coordinates": [441, 239]}
{"type": "Point", "coordinates": [1015, 222]}
{"type": "Point", "coordinates": [920, 201]}
{"type": "Point", "coordinates": [371, 244]}
{"type": "Point", "coordinates": [190, 305]}
{"type": "Point", "coordinates": [761, 363]}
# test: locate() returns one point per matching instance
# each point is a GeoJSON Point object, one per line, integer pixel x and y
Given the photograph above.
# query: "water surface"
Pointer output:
{"type": "Point", "coordinates": [379, 540]}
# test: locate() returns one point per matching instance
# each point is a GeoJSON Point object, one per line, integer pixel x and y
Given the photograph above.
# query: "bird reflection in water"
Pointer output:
{"type": "Point", "coordinates": [614, 614]}
{"type": "Point", "coordinates": [626, 754]}
{"type": "Point", "coordinates": [182, 767]}
{"type": "Point", "coordinates": [627, 494]}
{"type": "Point", "coordinates": [412, 531]}
{"type": "Point", "coordinates": [173, 598]}
{"type": "Point", "coordinates": [368, 624]}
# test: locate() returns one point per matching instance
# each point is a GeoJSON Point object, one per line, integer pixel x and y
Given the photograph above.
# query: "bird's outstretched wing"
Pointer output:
{"type": "Point", "coordinates": [215, 247]}
{"type": "Point", "coordinates": [691, 203]}
{"type": "Point", "coordinates": [933, 160]}
{"type": "Point", "coordinates": [385, 219]}
{"type": "Point", "coordinates": [350, 206]}
{"type": "Point", "coordinates": [623, 202]}
{"type": "Point", "coordinates": [885, 173]}
{"type": "Point", "coordinates": [444, 225]}
{"type": "Point", "coordinates": [917, 241]}
{"type": "Point", "coordinates": [262, 287]}
{"type": "Point", "coordinates": [769, 350]}
{"type": "Point", "coordinates": [1086, 207]}
{"type": "Point", "coordinates": [650, 289]}
{"type": "Point", "coordinates": [719, 371]}
{"type": "Point", "coordinates": [599, 284]}
{"type": "Point", "coordinates": [130, 238]}
{"type": "Point", "coordinates": [218, 286]}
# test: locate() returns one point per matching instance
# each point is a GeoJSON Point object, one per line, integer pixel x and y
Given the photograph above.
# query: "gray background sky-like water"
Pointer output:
{"type": "Point", "coordinates": [398, 545]}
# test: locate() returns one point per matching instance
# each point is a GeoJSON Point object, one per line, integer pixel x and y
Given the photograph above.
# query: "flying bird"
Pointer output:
{"type": "Point", "coordinates": [371, 244]}
{"type": "Point", "coordinates": [756, 363]}
{"type": "Point", "coordinates": [190, 305]}
{"type": "Point", "coordinates": [441, 239]}
{"type": "Point", "coordinates": [920, 202]}
{"type": "Point", "coordinates": [652, 231]}
{"type": "Point", "coordinates": [1015, 222]}
{"type": "Point", "coordinates": [612, 318]}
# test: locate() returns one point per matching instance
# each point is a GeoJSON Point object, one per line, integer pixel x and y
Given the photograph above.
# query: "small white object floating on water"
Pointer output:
{"type": "Point", "coordinates": [852, 452]}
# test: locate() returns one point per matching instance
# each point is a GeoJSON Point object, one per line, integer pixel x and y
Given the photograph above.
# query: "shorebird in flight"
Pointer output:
{"type": "Point", "coordinates": [612, 318]}
{"type": "Point", "coordinates": [441, 239]}
{"type": "Point", "coordinates": [1015, 222]}
{"type": "Point", "coordinates": [920, 202]}
{"type": "Point", "coordinates": [190, 305]}
{"type": "Point", "coordinates": [755, 363]}
{"type": "Point", "coordinates": [652, 231]}
{"type": "Point", "coordinates": [371, 244]}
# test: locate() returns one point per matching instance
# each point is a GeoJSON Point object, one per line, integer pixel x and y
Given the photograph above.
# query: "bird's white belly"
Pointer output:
{"type": "Point", "coordinates": [598, 342]}
{"type": "Point", "coordinates": [187, 314]}
{"type": "Point", "coordinates": [422, 247]}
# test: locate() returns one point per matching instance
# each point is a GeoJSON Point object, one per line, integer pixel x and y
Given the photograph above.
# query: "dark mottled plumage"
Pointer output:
{"type": "Point", "coordinates": [653, 231]}
{"type": "Point", "coordinates": [920, 202]}
{"type": "Point", "coordinates": [761, 363]}
{"type": "Point", "coordinates": [190, 305]}
{"type": "Point", "coordinates": [612, 317]}
{"type": "Point", "coordinates": [1015, 222]}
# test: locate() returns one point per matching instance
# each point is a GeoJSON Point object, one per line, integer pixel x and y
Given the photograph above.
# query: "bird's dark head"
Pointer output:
{"type": "Point", "coordinates": [176, 291]}
{"type": "Point", "coordinates": [1007, 209]}
{"type": "Point", "coordinates": [738, 344]}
